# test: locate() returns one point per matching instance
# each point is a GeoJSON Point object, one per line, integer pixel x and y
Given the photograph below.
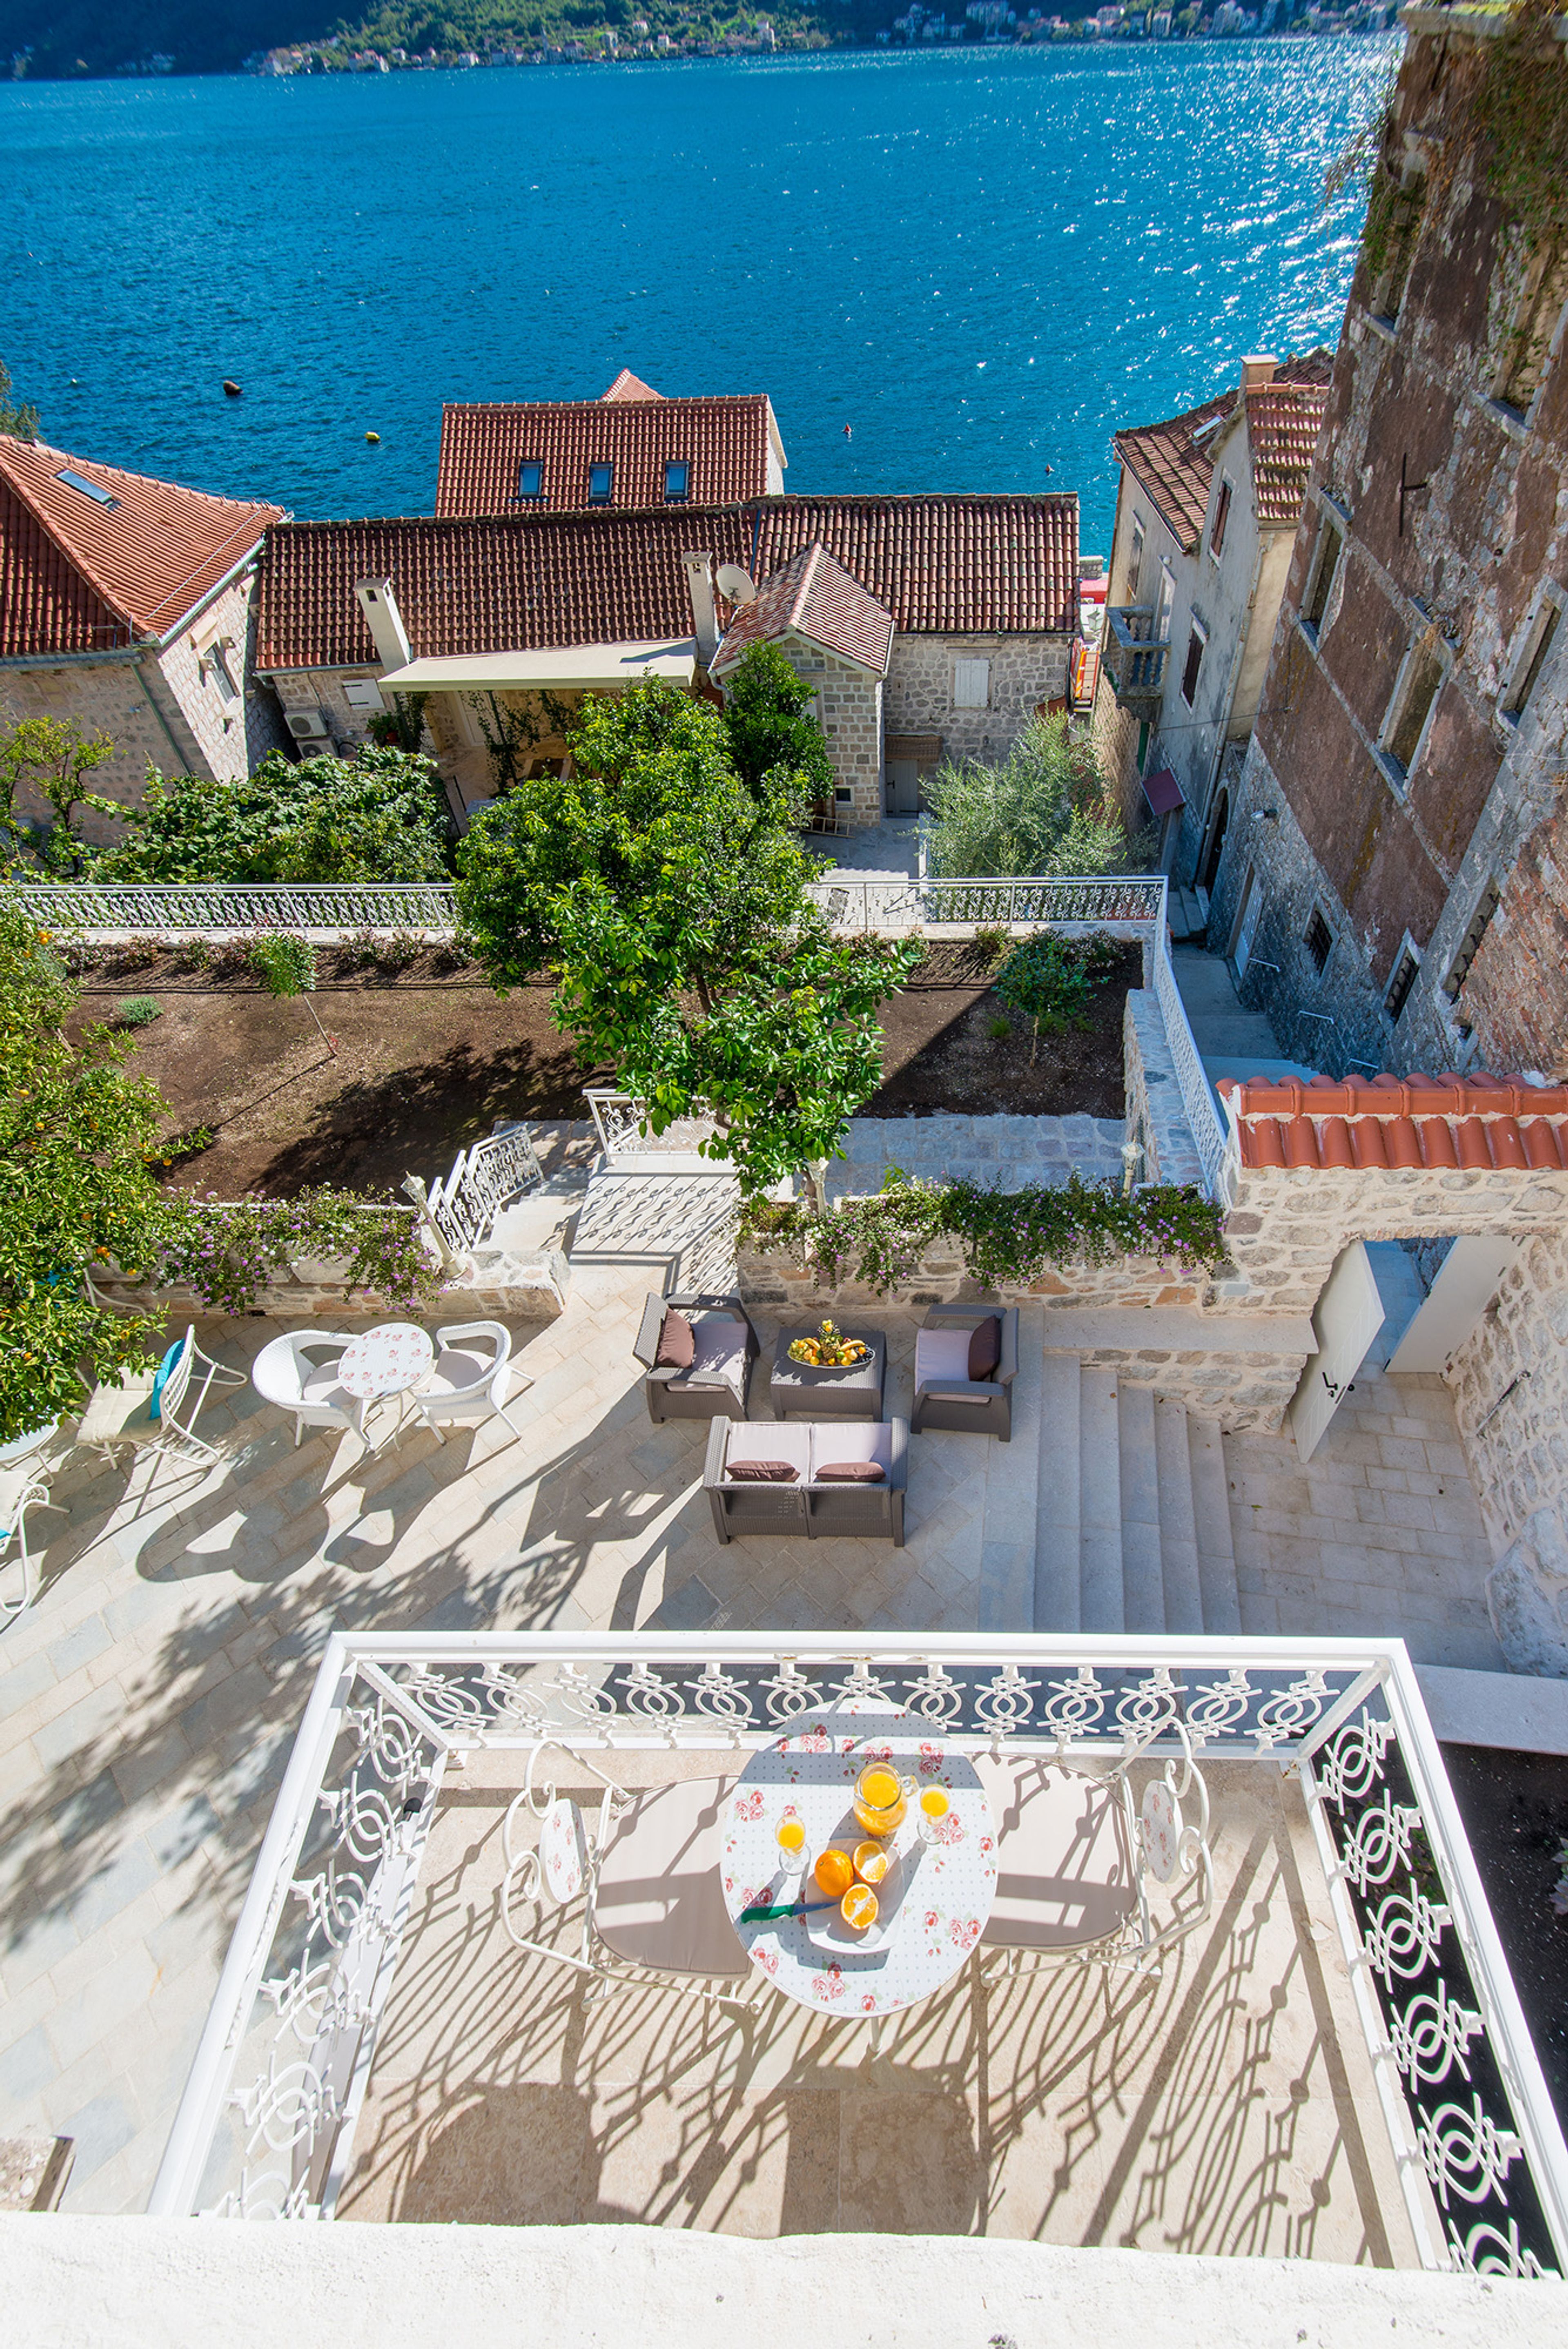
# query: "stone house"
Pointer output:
{"type": "Point", "coordinates": [126, 603]}
{"type": "Point", "coordinates": [504, 619]}
{"type": "Point", "coordinates": [1392, 891]}
{"type": "Point", "coordinates": [1206, 510]}
{"type": "Point", "coordinates": [631, 447]}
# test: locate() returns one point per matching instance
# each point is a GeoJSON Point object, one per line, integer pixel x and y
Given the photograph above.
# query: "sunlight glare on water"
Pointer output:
{"type": "Point", "coordinates": [982, 263]}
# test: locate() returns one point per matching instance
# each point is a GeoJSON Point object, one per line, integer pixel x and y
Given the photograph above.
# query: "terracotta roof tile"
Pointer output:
{"type": "Point", "coordinates": [1174, 460]}
{"type": "Point", "coordinates": [1283, 419]}
{"type": "Point", "coordinates": [813, 597]}
{"type": "Point", "coordinates": [1475, 1123]}
{"type": "Point", "coordinates": [506, 582]}
{"type": "Point", "coordinates": [633, 429]}
{"type": "Point", "coordinates": [77, 574]}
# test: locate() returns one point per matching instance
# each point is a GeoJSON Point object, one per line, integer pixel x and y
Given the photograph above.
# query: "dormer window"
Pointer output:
{"type": "Point", "coordinates": [601, 485]}
{"type": "Point", "coordinates": [677, 482]}
{"type": "Point", "coordinates": [93, 490]}
{"type": "Point", "coordinates": [530, 479]}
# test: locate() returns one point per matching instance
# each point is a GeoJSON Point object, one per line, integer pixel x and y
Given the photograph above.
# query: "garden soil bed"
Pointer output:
{"type": "Point", "coordinates": [428, 1058]}
{"type": "Point", "coordinates": [1515, 1810]}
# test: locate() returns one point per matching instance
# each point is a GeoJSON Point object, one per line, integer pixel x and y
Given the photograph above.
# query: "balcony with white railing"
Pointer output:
{"type": "Point", "coordinates": [1328, 2060]}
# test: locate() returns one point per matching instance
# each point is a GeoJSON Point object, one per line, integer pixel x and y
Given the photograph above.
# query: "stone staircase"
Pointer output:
{"type": "Point", "coordinates": [1133, 1514]}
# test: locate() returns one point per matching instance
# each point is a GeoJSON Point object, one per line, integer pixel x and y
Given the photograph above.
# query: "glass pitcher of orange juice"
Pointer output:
{"type": "Point", "coordinates": [881, 1798]}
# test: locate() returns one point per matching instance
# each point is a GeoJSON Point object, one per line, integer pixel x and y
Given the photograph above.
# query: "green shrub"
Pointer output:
{"type": "Point", "coordinates": [138, 1010]}
{"type": "Point", "coordinates": [397, 951]}
{"type": "Point", "coordinates": [991, 943]}
{"type": "Point", "coordinates": [1045, 808]}
{"type": "Point", "coordinates": [1044, 980]}
{"type": "Point", "coordinates": [285, 965]}
{"type": "Point", "coordinates": [193, 954]}
{"type": "Point", "coordinates": [998, 1030]}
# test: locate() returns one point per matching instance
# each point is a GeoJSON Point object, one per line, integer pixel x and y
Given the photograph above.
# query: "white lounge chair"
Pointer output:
{"type": "Point", "coordinates": [123, 1414]}
{"type": "Point", "coordinates": [24, 1485]}
{"type": "Point", "coordinates": [286, 1373]}
{"type": "Point", "coordinates": [468, 1382]}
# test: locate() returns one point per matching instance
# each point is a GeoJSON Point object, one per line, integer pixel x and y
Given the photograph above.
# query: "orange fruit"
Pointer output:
{"type": "Point", "coordinates": [858, 1908]}
{"type": "Point", "coordinates": [834, 1871]}
{"type": "Point", "coordinates": [871, 1862]}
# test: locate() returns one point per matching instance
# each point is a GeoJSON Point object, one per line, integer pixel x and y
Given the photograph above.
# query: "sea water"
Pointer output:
{"type": "Point", "coordinates": [956, 271]}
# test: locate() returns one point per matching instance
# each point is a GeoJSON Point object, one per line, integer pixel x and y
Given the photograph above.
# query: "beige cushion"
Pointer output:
{"type": "Point", "coordinates": [765, 1439]}
{"type": "Point", "coordinates": [115, 1413]}
{"type": "Point", "coordinates": [941, 1358]}
{"type": "Point", "coordinates": [850, 1439]}
{"type": "Point", "coordinates": [1064, 1872]}
{"type": "Point", "coordinates": [660, 1902]}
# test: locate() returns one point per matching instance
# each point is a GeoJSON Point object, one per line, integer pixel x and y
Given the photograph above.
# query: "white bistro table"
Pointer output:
{"type": "Point", "coordinates": [942, 1893]}
{"type": "Point", "coordinates": [387, 1360]}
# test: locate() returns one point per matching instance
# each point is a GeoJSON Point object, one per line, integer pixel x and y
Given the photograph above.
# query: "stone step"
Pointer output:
{"type": "Point", "coordinates": [1143, 1581]}
{"type": "Point", "coordinates": [1101, 1601]}
{"type": "Point", "coordinates": [1182, 1589]}
{"type": "Point", "coordinates": [1057, 1530]}
{"type": "Point", "coordinates": [1220, 1595]}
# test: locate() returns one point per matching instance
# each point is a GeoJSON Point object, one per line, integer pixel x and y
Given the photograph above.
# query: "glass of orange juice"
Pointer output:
{"type": "Point", "coordinates": [881, 1798]}
{"type": "Point", "coordinates": [934, 1808]}
{"type": "Point", "coordinates": [791, 1838]}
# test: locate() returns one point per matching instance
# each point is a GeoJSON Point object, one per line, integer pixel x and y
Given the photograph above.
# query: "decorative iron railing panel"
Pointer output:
{"type": "Point", "coordinates": [621, 1122]}
{"type": "Point", "coordinates": [266, 2125]}
{"type": "Point", "coordinates": [485, 1178]}
{"type": "Point", "coordinates": [177, 908]}
{"type": "Point", "coordinates": [1197, 1092]}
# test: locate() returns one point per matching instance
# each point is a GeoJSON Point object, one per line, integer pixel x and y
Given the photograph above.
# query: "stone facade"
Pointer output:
{"type": "Point", "coordinates": [1156, 1117]}
{"type": "Point", "coordinates": [1509, 1380]}
{"type": "Point", "coordinates": [1411, 744]}
{"type": "Point", "coordinates": [164, 705]}
{"type": "Point", "coordinates": [849, 711]}
{"type": "Point", "coordinates": [1025, 672]}
{"type": "Point", "coordinates": [500, 1286]}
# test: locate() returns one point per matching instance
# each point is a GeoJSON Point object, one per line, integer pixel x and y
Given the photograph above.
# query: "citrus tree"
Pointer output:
{"type": "Point", "coordinates": [380, 815]}
{"type": "Point", "coordinates": [76, 1132]}
{"type": "Point", "coordinates": [667, 897]}
{"type": "Point", "coordinates": [50, 758]}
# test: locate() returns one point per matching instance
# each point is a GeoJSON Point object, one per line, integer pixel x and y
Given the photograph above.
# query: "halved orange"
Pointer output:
{"type": "Point", "coordinates": [834, 1871]}
{"type": "Point", "coordinates": [871, 1862]}
{"type": "Point", "coordinates": [858, 1908]}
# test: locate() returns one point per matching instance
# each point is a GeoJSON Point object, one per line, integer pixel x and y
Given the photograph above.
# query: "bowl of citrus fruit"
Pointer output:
{"type": "Point", "coordinates": [862, 1884]}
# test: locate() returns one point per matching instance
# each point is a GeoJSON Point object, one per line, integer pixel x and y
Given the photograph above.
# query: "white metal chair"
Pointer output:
{"type": "Point", "coordinates": [286, 1373]}
{"type": "Point", "coordinates": [1075, 1858]}
{"type": "Point", "coordinates": [649, 1880]}
{"type": "Point", "coordinates": [122, 1414]}
{"type": "Point", "coordinates": [24, 1485]}
{"type": "Point", "coordinates": [466, 1382]}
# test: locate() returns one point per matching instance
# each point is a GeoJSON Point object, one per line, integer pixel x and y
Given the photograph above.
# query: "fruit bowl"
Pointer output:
{"type": "Point", "coordinates": [830, 1350]}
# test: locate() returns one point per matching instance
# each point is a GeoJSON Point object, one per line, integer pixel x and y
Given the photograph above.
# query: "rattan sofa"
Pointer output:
{"type": "Point", "coordinates": [810, 1504]}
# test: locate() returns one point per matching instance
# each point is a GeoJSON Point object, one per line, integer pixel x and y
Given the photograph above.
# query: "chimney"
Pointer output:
{"type": "Point", "coordinates": [704, 616]}
{"type": "Point", "coordinates": [1258, 371]}
{"type": "Point", "coordinates": [379, 603]}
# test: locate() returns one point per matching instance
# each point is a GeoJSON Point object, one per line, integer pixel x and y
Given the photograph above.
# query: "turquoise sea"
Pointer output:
{"type": "Point", "coordinates": [981, 263]}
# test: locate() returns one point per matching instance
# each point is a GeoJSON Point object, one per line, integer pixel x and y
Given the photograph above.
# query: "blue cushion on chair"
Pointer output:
{"type": "Point", "coordinates": [155, 1401]}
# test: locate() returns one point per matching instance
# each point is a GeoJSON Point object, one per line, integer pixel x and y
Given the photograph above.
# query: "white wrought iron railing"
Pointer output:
{"type": "Point", "coordinates": [177, 909]}
{"type": "Point", "coordinates": [620, 1122]}
{"type": "Point", "coordinates": [266, 2125]}
{"type": "Point", "coordinates": [465, 1201]}
{"type": "Point", "coordinates": [1197, 1093]}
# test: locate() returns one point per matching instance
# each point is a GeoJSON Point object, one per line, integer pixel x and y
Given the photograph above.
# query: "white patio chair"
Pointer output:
{"type": "Point", "coordinates": [24, 1485]}
{"type": "Point", "coordinates": [286, 1373]}
{"type": "Point", "coordinates": [466, 1382]}
{"type": "Point", "coordinates": [122, 1414]}
{"type": "Point", "coordinates": [1075, 1859]}
{"type": "Point", "coordinates": [653, 1913]}
{"type": "Point", "coordinates": [558, 1868]}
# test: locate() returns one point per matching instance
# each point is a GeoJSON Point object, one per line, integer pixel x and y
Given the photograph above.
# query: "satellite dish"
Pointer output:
{"type": "Point", "coordinates": [735, 584]}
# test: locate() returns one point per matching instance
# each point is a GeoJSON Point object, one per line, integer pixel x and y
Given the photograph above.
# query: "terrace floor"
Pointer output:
{"type": "Point", "coordinates": [149, 1700]}
{"type": "Point", "coordinates": [1227, 2107]}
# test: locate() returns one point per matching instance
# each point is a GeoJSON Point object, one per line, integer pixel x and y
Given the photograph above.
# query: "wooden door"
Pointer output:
{"type": "Point", "coordinates": [1346, 1319]}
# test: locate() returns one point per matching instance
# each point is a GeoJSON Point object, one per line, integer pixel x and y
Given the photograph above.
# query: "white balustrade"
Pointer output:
{"type": "Point", "coordinates": [190, 909]}
{"type": "Point", "coordinates": [1197, 1092]}
{"type": "Point", "coordinates": [466, 1200]}
{"type": "Point", "coordinates": [290, 2038]}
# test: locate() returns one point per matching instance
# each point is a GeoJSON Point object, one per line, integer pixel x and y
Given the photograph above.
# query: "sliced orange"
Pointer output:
{"type": "Point", "coordinates": [858, 1908]}
{"type": "Point", "coordinates": [834, 1871]}
{"type": "Point", "coordinates": [871, 1862]}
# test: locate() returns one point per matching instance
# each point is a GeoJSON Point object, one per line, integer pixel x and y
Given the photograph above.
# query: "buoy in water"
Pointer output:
{"type": "Point", "coordinates": [231, 389]}
{"type": "Point", "coordinates": [374, 438]}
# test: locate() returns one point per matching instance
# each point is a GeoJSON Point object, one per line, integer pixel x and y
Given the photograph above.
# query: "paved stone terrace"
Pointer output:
{"type": "Point", "coordinates": [1006, 1152]}
{"type": "Point", "coordinates": [148, 1701]}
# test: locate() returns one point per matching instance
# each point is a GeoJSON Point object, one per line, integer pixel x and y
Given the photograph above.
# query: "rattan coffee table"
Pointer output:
{"type": "Point", "coordinates": [798, 1392]}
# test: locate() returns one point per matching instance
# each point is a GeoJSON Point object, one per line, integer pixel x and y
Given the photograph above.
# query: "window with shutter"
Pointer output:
{"type": "Point", "coordinates": [972, 684]}
{"type": "Point", "coordinates": [1324, 568]}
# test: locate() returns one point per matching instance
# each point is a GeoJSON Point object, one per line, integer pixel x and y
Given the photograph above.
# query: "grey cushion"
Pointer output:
{"type": "Point", "coordinates": [941, 1358]}
{"type": "Point", "coordinates": [718, 1355]}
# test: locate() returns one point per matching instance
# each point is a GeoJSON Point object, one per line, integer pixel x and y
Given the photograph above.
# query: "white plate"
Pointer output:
{"type": "Point", "coordinates": [826, 1929]}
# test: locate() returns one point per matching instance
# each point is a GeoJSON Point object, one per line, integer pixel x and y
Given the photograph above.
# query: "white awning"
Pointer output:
{"type": "Point", "coordinates": [558, 667]}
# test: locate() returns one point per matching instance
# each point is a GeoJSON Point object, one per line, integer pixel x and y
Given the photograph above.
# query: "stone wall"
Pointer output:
{"type": "Point", "coordinates": [1509, 1380]}
{"type": "Point", "coordinates": [1156, 1115]}
{"type": "Point", "coordinates": [500, 1287]}
{"type": "Point", "coordinates": [1026, 670]}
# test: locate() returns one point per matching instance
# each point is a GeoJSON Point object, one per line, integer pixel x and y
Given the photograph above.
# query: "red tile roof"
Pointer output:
{"type": "Point", "coordinates": [1283, 420]}
{"type": "Point", "coordinates": [1175, 464]}
{"type": "Point", "coordinates": [962, 565]}
{"type": "Point", "coordinates": [813, 597]}
{"type": "Point", "coordinates": [725, 442]}
{"type": "Point", "coordinates": [77, 575]}
{"type": "Point", "coordinates": [1409, 1123]}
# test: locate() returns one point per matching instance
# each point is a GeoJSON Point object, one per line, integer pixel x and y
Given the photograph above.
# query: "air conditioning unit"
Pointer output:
{"type": "Point", "coordinates": [307, 725]}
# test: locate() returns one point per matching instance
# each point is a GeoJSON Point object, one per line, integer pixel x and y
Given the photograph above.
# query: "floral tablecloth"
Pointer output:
{"type": "Point", "coordinates": [812, 1772]}
{"type": "Point", "coordinates": [386, 1362]}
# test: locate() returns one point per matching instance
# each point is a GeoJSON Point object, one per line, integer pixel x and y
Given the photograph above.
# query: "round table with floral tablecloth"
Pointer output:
{"type": "Point", "coordinates": [388, 1360]}
{"type": "Point", "coordinates": [950, 1883]}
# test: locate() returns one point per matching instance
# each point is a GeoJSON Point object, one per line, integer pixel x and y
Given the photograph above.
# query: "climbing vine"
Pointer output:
{"type": "Point", "coordinates": [1519, 111]}
{"type": "Point", "coordinates": [1004, 1237]}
